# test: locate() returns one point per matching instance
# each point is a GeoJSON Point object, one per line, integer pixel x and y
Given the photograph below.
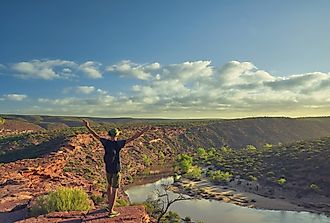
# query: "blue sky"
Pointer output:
{"type": "Point", "coordinates": [180, 59]}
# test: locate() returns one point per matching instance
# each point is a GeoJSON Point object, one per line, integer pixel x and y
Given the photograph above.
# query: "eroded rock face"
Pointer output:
{"type": "Point", "coordinates": [14, 127]}
{"type": "Point", "coordinates": [130, 214]}
{"type": "Point", "coordinates": [78, 163]}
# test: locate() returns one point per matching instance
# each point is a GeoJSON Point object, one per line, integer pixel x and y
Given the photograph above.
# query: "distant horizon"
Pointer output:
{"type": "Point", "coordinates": [165, 118]}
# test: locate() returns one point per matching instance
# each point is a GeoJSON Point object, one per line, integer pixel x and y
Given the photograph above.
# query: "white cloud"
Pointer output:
{"type": "Point", "coordinates": [55, 69]}
{"type": "Point", "coordinates": [100, 91]}
{"type": "Point", "coordinates": [91, 69]}
{"type": "Point", "coordinates": [187, 71]}
{"type": "Point", "coordinates": [15, 97]}
{"type": "Point", "coordinates": [128, 68]}
{"type": "Point", "coordinates": [85, 89]}
{"type": "Point", "coordinates": [44, 69]}
{"type": "Point", "coordinates": [236, 86]}
{"type": "Point", "coordinates": [196, 88]}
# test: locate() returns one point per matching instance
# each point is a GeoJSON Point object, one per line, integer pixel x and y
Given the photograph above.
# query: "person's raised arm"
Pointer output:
{"type": "Point", "coordinates": [91, 130]}
{"type": "Point", "coordinates": [137, 135]}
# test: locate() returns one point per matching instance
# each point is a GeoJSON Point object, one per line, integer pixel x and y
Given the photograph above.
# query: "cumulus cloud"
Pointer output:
{"type": "Point", "coordinates": [14, 97]}
{"type": "Point", "coordinates": [43, 69]}
{"type": "Point", "coordinates": [85, 89]}
{"type": "Point", "coordinates": [128, 68]}
{"type": "Point", "coordinates": [55, 69]}
{"type": "Point", "coordinates": [91, 69]}
{"type": "Point", "coordinates": [200, 89]}
{"type": "Point", "coordinates": [236, 86]}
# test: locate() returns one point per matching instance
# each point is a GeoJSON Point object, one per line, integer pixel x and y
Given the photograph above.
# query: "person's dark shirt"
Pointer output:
{"type": "Point", "coordinates": [112, 154]}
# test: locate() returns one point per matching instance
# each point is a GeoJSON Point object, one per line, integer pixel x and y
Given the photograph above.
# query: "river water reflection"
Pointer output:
{"type": "Point", "coordinates": [211, 211]}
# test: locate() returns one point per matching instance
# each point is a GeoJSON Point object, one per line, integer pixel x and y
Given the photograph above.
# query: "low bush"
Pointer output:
{"type": "Point", "coordinates": [121, 203]}
{"type": "Point", "coordinates": [220, 176]}
{"type": "Point", "coordinates": [146, 160]}
{"type": "Point", "coordinates": [2, 121]}
{"type": "Point", "coordinates": [314, 187]}
{"type": "Point", "coordinates": [281, 181]}
{"type": "Point", "coordinates": [194, 173]}
{"type": "Point", "coordinates": [63, 199]}
{"type": "Point", "coordinates": [183, 163]}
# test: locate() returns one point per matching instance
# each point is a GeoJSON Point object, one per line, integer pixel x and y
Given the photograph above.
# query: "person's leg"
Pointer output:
{"type": "Point", "coordinates": [115, 185]}
{"type": "Point", "coordinates": [109, 189]}
{"type": "Point", "coordinates": [109, 194]}
{"type": "Point", "coordinates": [112, 199]}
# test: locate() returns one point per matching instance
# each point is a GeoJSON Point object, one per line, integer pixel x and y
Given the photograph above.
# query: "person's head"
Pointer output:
{"type": "Point", "coordinates": [114, 133]}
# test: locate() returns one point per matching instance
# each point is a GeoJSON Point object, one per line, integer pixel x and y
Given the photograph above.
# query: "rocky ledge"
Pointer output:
{"type": "Point", "coordinates": [130, 214]}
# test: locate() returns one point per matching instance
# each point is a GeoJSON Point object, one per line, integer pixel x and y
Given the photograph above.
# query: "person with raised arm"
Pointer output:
{"type": "Point", "coordinates": [112, 148]}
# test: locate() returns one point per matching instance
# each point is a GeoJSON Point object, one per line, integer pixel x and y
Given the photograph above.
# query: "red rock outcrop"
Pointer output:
{"type": "Point", "coordinates": [129, 214]}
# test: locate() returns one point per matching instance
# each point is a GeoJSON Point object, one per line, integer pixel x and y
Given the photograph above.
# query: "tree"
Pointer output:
{"type": "Point", "coordinates": [194, 173]}
{"type": "Point", "coordinates": [184, 163]}
{"type": "Point", "coordinates": [201, 153]}
{"type": "Point", "coordinates": [162, 203]}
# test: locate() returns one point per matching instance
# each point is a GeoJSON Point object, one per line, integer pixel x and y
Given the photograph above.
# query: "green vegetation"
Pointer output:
{"type": "Point", "coordinates": [201, 153]}
{"type": "Point", "coordinates": [158, 208]}
{"type": "Point", "coordinates": [153, 207]}
{"type": "Point", "coordinates": [2, 121]}
{"type": "Point", "coordinates": [183, 163]}
{"type": "Point", "coordinates": [171, 217]}
{"type": "Point", "coordinates": [146, 160]}
{"type": "Point", "coordinates": [314, 187]}
{"type": "Point", "coordinates": [194, 173]}
{"type": "Point", "coordinates": [33, 145]}
{"type": "Point", "coordinates": [281, 181]}
{"type": "Point", "coordinates": [220, 176]}
{"type": "Point", "coordinates": [63, 199]}
{"type": "Point", "coordinates": [268, 166]}
{"type": "Point", "coordinates": [121, 203]}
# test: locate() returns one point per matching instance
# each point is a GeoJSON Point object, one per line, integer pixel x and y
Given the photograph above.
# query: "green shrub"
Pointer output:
{"type": "Point", "coordinates": [314, 187]}
{"type": "Point", "coordinates": [194, 173]}
{"type": "Point", "coordinates": [251, 148]}
{"type": "Point", "coordinates": [253, 178]}
{"type": "Point", "coordinates": [226, 149]}
{"type": "Point", "coordinates": [63, 199]}
{"type": "Point", "coordinates": [220, 176]}
{"type": "Point", "coordinates": [268, 146]}
{"type": "Point", "coordinates": [281, 181]}
{"type": "Point", "coordinates": [184, 163]}
{"type": "Point", "coordinates": [201, 153]}
{"type": "Point", "coordinates": [2, 121]}
{"type": "Point", "coordinates": [161, 156]}
{"type": "Point", "coordinates": [211, 152]}
{"type": "Point", "coordinates": [153, 207]}
{"type": "Point", "coordinates": [121, 203]}
{"type": "Point", "coordinates": [171, 217]}
{"type": "Point", "coordinates": [146, 160]}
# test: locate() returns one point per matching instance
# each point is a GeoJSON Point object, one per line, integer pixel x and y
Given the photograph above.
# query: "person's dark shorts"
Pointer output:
{"type": "Point", "coordinates": [114, 179]}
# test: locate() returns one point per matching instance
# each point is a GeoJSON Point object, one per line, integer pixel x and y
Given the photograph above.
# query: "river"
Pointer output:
{"type": "Point", "coordinates": [211, 211]}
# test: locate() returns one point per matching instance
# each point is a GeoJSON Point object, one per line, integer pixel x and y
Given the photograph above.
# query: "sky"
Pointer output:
{"type": "Point", "coordinates": [165, 58]}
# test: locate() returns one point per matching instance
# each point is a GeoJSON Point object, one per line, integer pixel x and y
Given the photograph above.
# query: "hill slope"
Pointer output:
{"type": "Point", "coordinates": [256, 131]}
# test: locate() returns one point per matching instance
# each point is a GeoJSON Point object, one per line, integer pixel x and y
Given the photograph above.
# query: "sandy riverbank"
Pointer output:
{"type": "Point", "coordinates": [237, 195]}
